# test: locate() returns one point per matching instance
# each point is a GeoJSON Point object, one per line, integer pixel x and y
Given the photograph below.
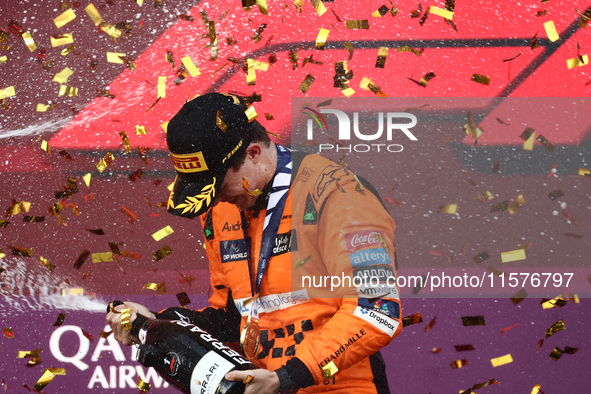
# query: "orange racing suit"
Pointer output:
{"type": "Point", "coordinates": [325, 339]}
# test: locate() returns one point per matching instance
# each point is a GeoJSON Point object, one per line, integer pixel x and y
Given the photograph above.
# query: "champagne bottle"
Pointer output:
{"type": "Point", "coordinates": [188, 357]}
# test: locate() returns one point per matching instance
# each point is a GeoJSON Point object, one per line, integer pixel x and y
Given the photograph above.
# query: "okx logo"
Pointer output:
{"type": "Point", "coordinates": [395, 122]}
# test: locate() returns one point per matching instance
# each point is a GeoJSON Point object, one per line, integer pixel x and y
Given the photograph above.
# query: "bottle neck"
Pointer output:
{"type": "Point", "coordinates": [140, 326]}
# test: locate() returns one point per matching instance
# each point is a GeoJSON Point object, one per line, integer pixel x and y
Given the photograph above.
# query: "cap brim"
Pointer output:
{"type": "Point", "coordinates": [192, 197]}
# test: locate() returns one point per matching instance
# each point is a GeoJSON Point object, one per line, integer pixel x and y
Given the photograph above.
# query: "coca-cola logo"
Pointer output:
{"type": "Point", "coordinates": [362, 239]}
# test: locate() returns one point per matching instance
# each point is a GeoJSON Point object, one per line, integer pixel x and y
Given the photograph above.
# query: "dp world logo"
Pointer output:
{"type": "Point", "coordinates": [394, 122]}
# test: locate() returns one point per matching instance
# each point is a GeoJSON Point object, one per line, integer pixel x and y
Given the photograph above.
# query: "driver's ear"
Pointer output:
{"type": "Point", "coordinates": [254, 151]}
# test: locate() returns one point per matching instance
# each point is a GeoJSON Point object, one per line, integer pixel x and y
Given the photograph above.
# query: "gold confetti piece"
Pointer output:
{"type": "Point", "coordinates": [430, 325]}
{"type": "Point", "coordinates": [528, 136]}
{"type": "Point", "coordinates": [68, 91]}
{"type": "Point", "coordinates": [515, 205]}
{"type": "Point", "coordinates": [140, 130]}
{"type": "Point", "coordinates": [504, 330]}
{"type": "Point", "coordinates": [125, 316]}
{"type": "Point", "coordinates": [72, 292]}
{"type": "Point", "coordinates": [303, 261]}
{"type": "Point", "coordinates": [166, 231]}
{"type": "Point", "coordinates": [61, 39]}
{"type": "Point", "coordinates": [87, 178]}
{"type": "Point", "coordinates": [45, 107]}
{"type": "Point", "coordinates": [29, 42]}
{"type": "Point", "coordinates": [441, 12]}
{"type": "Point", "coordinates": [258, 34]}
{"type": "Point", "coordinates": [556, 353]}
{"type": "Point", "coordinates": [151, 286]}
{"type": "Point", "coordinates": [514, 255]}
{"type": "Point", "coordinates": [536, 389]}
{"type": "Point", "coordinates": [2, 255]}
{"type": "Point", "coordinates": [497, 362]}
{"type": "Point", "coordinates": [161, 86]}
{"type": "Point", "coordinates": [254, 193]}
{"type": "Point", "coordinates": [262, 4]}
{"type": "Point", "coordinates": [93, 14]}
{"type": "Point", "coordinates": [111, 30]}
{"type": "Point", "coordinates": [482, 385]}
{"type": "Point", "coordinates": [81, 259]}
{"type": "Point", "coordinates": [102, 257]}
{"type": "Point", "coordinates": [126, 143]}
{"type": "Point", "coordinates": [8, 333]}
{"type": "Point", "coordinates": [7, 92]}
{"type": "Point", "coordinates": [64, 18]}
{"type": "Point", "coordinates": [190, 66]}
{"type": "Point", "coordinates": [62, 76]}
{"type": "Point", "coordinates": [473, 321]}
{"type": "Point", "coordinates": [24, 252]}
{"type": "Point", "coordinates": [382, 54]}
{"type": "Point", "coordinates": [219, 122]}
{"type": "Point", "coordinates": [519, 296]}
{"type": "Point", "coordinates": [482, 79]}
{"type": "Point", "coordinates": [251, 113]}
{"type": "Point", "coordinates": [183, 298]}
{"type": "Point", "coordinates": [577, 62]}
{"type": "Point", "coordinates": [321, 38]}
{"type": "Point", "coordinates": [368, 84]}
{"type": "Point", "coordinates": [448, 208]}
{"type": "Point", "coordinates": [162, 253]}
{"type": "Point", "coordinates": [383, 10]}
{"type": "Point", "coordinates": [551, 31]}
{"type": "Point", "coordinates": [555, 194]}
{"type": "Point", "coordinates": [114, 57]}
{"type": "Point", "coordinates": [143, 386]}
{"type": "Point", "coordinates": [318, 6]}
{"type": "Point", "coordinates": [44, 380]}
{"type": "Point", "coordinates": [554, 328]}
{"type": "Point", "coordinates": [502, 206]}
{"type": "Point", "coordinates": [60, 319]}
{"type": "Point", "coordinates": [357, 24]}
{"type": "Point", "coordinates": [67, 50]}
{"type": "Point", "coordinates": [3, 59]}
{"type": "Point", "coordinates": [556, 302]}
{"type": "Point", "coordinates": [406, 48]}
{"type": "Point", "coordinates": [459, 363]}
{"type": "Point", "coordinates": [105, 161]}
{"type": "Point", "coordinates": [412, 319]}
{"type": "Point", "coordinates": [329, 370]}
{"type": "Point", "coordinates": [546, 143]}
{"type": "Point", "coordinates": [46, 264]}
{"type": "Point", "coordinates": [436, 350]}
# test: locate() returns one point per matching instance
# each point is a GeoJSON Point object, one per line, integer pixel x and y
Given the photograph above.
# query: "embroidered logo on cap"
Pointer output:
{"type": "Point", "coordinates": [190, 162]}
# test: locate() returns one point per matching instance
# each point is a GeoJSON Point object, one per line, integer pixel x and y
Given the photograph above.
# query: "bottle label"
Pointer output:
{"type": "Point", "coordinates": [209, 372]}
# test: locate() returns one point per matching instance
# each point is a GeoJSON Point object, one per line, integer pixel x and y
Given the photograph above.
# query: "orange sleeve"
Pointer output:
{"type": "Point", "coordinates": [348, 243]}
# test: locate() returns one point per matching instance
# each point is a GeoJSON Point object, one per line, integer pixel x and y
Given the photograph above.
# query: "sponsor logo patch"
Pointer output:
{"type": "Point", "coordinates": [383, 306]}
{"type": "Point", "coordinates": [306, 172]}
{"type": "Point", "coordinates": [310, 213]}
{"type": "Point", "coordinates": [233, 250]}
{"type": "Point", "coordinates": [378, 320]}
{"type": "Point", "coordinates": [231, 226]}
{"type": "Point", "coordinates": [190, 162]}
{"type": "Point", "coordinates": [368, 257]}
{"type": "Point", "coordinates": [273, 302]}
{"type": "Point", "coordinates": [362, 239]}
{"type": "Point", "coordinates": [282, 244]}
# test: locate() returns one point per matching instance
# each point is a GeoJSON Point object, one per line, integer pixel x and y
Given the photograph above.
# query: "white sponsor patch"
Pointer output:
{"type": "Point", "coordinates": [273, 302]}
{"type": "Point", "coordinates": [383, 322]}
{"type": "Point", "coordinates": [381, 290]}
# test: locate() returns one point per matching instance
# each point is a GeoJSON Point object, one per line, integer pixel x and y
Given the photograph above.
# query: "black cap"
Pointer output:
{"type": "Point", "coordinates": [205, 138]}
